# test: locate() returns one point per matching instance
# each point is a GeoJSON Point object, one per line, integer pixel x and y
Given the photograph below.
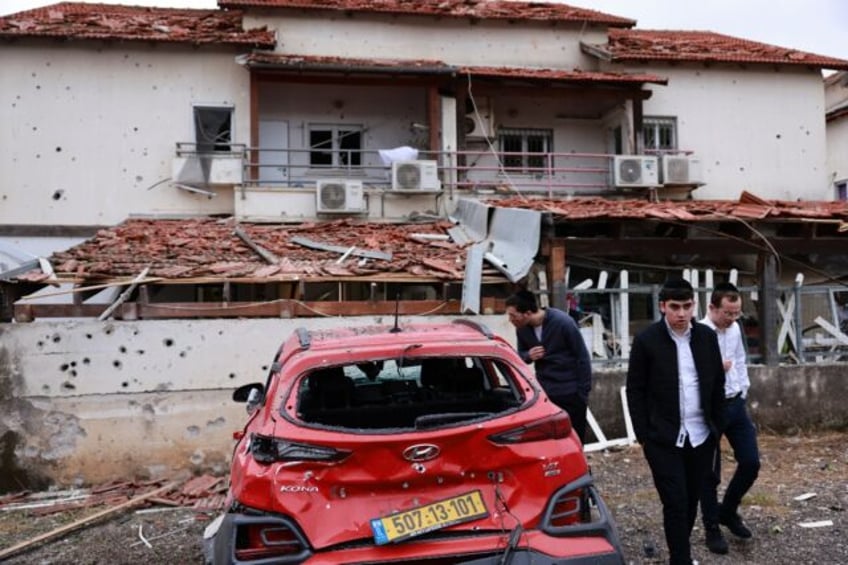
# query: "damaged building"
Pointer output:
{"type": "Point", "coordinates": [183, 188]}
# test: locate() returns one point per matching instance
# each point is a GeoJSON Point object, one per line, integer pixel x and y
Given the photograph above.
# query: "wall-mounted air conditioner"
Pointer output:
{"type": "Point", "coordinates": [207, 169]}
{"type": "Point", "coordinates": [339, 196]}
{"type": "Point", "coordinates": [635, 171]}
{"type": "Point", "coordinates": [479, 124]}
{"type": "Point", "coordinates": [415, 176]}
{"type": "Point", "coordinates": [681, 169]}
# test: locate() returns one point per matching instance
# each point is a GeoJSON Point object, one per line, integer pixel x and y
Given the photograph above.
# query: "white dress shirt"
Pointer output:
{"type": "Point", "coordinates": [692, 422]}
{"type": "Point", "coordinates": [730, 342]}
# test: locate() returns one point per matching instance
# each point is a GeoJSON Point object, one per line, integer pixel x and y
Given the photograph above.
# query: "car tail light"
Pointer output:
{"type": "Point", "coordinates": [553, 427]}
{"type": "Point", "coordinates": [264, 541]}
{"type": "Point", "coordinates": [270, 449]}
{"type": "Point", "coordinates": [568, 509]}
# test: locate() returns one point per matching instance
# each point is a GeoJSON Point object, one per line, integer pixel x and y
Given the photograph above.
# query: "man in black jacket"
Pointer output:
{"type": "Point", "coordinates": [551, 340]}
{"type": "Point", "coordinates": [675, 389]}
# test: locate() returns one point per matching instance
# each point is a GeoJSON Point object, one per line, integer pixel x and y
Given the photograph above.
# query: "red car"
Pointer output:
{"type": "Point", "coordinates": [426, 443]}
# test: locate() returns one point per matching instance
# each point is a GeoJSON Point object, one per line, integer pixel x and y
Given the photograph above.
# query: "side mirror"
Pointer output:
{"type": "Point", "coordinates": [252, 394]}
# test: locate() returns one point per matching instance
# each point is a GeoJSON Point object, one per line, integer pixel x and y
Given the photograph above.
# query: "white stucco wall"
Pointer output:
{"type": "Point", "coordinates": [754, 128]}
{"type": "Point", "coordinates": [90, 401]}
{"type": "Point", "coordinates": [836, 96]}
{"type": "Point", "coordinates": [450, 40]}
{"type": "Point", "coordinates": [89, 131]}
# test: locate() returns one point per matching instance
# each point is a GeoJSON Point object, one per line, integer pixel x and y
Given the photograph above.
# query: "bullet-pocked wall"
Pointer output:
{"type": "Point", "coordinates": [85, 401]}
{"type": "Point", "coordinates": [91, 131]}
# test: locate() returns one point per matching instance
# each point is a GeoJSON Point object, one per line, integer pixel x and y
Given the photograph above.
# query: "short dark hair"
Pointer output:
{"type": "Point", "coordinates": [523, 301]}
{"type": "Point", "coordinates": [676, 289]}
{"type": "Point", "coordinates": [722, 291]}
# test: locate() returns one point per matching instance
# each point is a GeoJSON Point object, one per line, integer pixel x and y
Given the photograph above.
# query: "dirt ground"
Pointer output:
{"type": "Point", "coordinates": [814, 464]}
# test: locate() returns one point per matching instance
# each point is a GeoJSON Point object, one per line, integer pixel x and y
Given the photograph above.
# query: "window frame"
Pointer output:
{"type": "Point", "coordinates": [203, 117]}
{"type": "Point", "coordinates": [336, 152]}
{"type": "Point", "coordinates": [654, 127]}
{"type": "Point", "coordinates": [524, 163]}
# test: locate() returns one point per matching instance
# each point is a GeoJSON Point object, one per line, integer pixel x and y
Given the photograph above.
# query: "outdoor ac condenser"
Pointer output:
{"type": "Point", "coordinates": [636, 171]}
{"type": "Point", "coordinates": [339, 196]}
{"type": "Point", "coordinates": [415, 176]}
{"type": "Point", "coordinates": [681, 169]}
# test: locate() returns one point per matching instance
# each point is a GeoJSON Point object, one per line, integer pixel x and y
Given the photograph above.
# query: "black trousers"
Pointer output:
{"type": "Point", "coordinates": [678, 474]}
{"type": "Point", "coordinates": [576, 409]}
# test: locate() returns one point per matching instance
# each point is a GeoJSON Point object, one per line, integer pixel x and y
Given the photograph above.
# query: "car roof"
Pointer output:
{"type": "Point", "coordinates": [377, 335]}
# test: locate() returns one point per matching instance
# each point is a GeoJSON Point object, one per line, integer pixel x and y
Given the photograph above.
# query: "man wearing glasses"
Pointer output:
{"type": "Point", "coordinates": [725, 309]}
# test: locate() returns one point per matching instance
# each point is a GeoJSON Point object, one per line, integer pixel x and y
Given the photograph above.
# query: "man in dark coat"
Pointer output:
{"type": "Point", "coordinates": [675, 390]}
{"type": "Point", "coordinates": [551, 340]}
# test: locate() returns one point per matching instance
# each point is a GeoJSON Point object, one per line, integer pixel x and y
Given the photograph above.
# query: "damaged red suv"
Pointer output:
{"type": "Point", "coordinates": [422, 443]}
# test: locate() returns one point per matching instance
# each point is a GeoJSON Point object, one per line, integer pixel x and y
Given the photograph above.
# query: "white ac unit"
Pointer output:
{"type": "Point", "coordinates": [636, 171]}
{"type": "Point", "coordinates": [207, 169]}
{"type": "Point", "coordinates": [415, 176]}
{"type": "Point", "coordinates": [339, 196]}
{"type": "Point", "coordinates": [681, 169]}
{"type": "Point", "coordinates": [480, 124]}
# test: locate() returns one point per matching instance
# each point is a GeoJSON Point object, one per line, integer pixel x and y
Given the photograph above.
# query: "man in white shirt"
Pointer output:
{"type": "Point", "coordinates": [725, 308]}
{"type": "Point", "coordinates": [675, 388]}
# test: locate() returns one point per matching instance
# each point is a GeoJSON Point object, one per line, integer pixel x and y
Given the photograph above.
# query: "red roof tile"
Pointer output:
{"type": "Point", "coordinates": [474, 9]}
{"type": "Point", "coordinates": [706, 46]}
{"type": "Point", "coordinates": [201, 248]}
{"type": "Point", "coordinates": [74, 20]}
{"type": "Point", "coordinates": [685, 210]}
{"type": "Point", "coordinates": [324, 63]}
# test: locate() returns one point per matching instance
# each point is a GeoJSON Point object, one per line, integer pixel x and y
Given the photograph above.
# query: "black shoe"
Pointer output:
{"type": "Point", "coordinates": [734, 523]}
{"type": "Point", "coordinates": [715, 540]}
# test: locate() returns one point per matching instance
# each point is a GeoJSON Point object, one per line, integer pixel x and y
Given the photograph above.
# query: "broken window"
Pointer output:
{"type": "Point", "coordinates": [842, 191]}
{"type": "Point", "coordinates": [213, 128]}
{"type": "Point", "coordinates": [659, 134]}
{"type": "Point", "coordinates": [335, 146]}
{"type": "Point", "coordinates": [408, 392]}
{"type": "Point", "coordinates": [525, 150]}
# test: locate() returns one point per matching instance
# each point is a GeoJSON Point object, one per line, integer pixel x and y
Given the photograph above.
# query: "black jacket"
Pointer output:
{"type": "Point", "coordinates": [653, 384]}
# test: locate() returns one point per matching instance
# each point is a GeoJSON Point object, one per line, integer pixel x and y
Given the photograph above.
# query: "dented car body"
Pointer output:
{"type": "Point", "coordinates": [426, 443]}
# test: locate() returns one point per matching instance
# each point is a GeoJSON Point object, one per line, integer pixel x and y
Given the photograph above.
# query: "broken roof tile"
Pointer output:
{"type": "Point", "coordinates": [706, 46]}
{"type": "Point", "coordinates": [413, 66]}
{"type": "Point", "coordinates": [473, 9]}
{"type": "Point", "coordinates": [77, 20]}
{"type": "Point", "coordinates": [209, 248]}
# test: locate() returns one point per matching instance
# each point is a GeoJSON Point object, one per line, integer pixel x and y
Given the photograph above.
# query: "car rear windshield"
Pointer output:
{"type": "Point", "coordinates": [411, 393]}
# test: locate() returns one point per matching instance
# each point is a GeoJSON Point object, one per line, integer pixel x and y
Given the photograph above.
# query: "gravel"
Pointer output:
{"type": "Point", "coordinates": [794, 466]}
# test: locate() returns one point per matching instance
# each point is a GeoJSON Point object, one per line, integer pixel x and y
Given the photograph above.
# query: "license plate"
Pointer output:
{"type": "Point", "coordinates": [403, 525]}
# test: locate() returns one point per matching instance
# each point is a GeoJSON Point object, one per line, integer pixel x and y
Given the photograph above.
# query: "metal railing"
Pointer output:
{"type": "Point", "coordinates": [551, 174]}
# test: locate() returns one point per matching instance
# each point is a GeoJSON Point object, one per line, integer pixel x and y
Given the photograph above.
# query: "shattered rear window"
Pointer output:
{"type": "Point", "coordinates": [409, 393]}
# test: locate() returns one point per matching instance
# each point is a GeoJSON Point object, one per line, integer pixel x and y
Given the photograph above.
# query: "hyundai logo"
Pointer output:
{"type": "Point", "coordinates": [421, 452]}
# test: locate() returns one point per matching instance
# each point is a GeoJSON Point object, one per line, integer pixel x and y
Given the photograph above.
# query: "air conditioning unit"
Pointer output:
{"type": "Point", "coordinates": [681, 169]}
{"type": "Point", "coordinates": [339, 196]}
{"type": "Point", "coordinates": [635, 171]}
{"type": "Point", "coordinates": [415, 176]}
{"type": "Point", "coordinates": [207, 170]}
{"type": "Point", "coordinates": [479, 124]}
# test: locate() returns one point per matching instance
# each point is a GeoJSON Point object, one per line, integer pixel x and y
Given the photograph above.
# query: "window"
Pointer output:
{"type": "Point", "coordinates": [335, 146]}
{"type": "Point", "coordinates": [213, 128]}
{"type": "Point", "coordinates": [842, 190]}
{"type": "Point", "coordinates": [659, 134]}
{"type": "Point", "coordinates": [525, 150]}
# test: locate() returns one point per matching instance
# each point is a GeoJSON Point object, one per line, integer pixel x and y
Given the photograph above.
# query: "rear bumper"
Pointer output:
{"type": "Point", "coordinates": [595, 542]}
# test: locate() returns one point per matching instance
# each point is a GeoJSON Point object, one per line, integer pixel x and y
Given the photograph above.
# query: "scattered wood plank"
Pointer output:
{"type": "Point", "coordinates": [58, 532]}
{"type": "Point", "coordinates": [124, 295]}
{"type": "Point", "coordinates": [268, 256]}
